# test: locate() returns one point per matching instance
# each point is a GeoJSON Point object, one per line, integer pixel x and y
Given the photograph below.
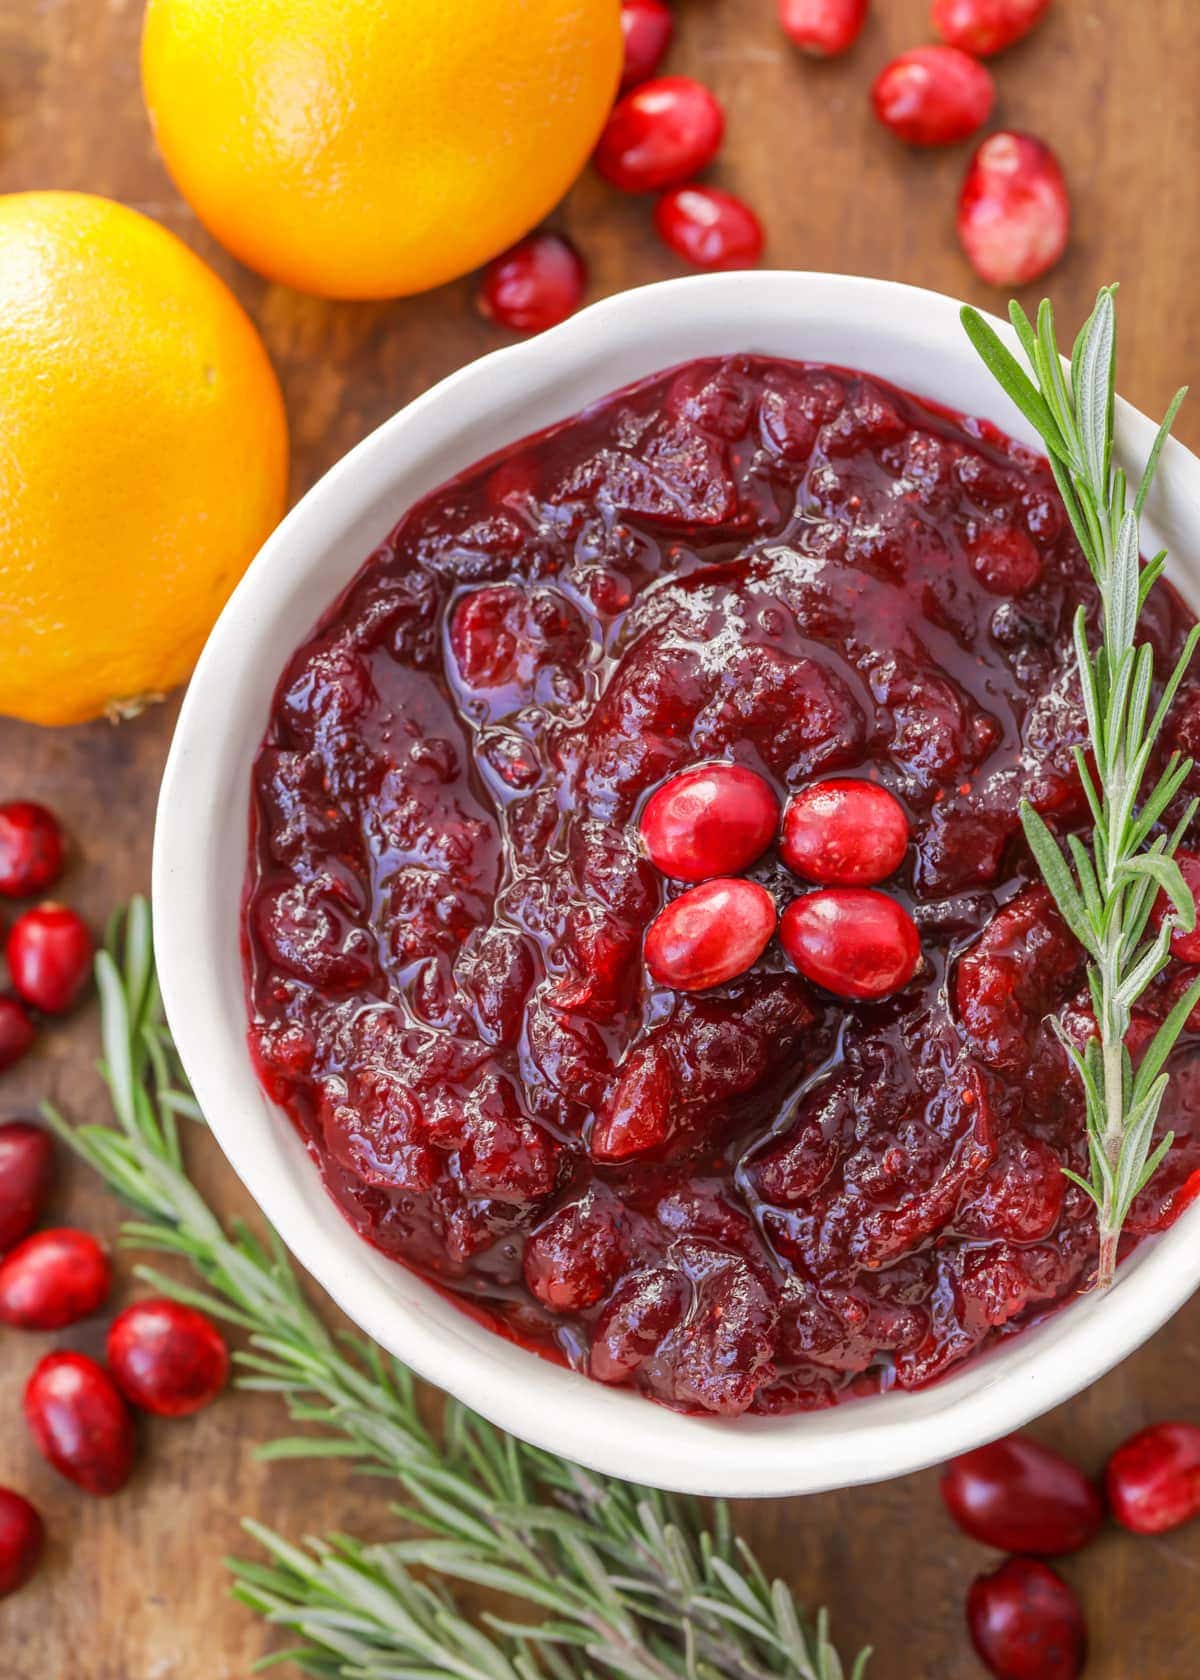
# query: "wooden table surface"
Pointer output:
{"type": "Point", "coordinates": [134, 1589]}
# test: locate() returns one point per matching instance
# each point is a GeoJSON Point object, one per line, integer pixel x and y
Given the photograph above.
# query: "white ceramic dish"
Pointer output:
{"type": "Point", "coordinates": [911, 337]}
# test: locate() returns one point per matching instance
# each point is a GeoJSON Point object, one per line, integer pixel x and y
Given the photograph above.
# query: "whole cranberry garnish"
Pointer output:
{"type": "Point", "coordinates": [80, 1422]}
{"type": "Point", "coordinates": [709, 228]}
{"type": "Point", "coordinates": [710, 934]}
{"type": "Point", "coordinates": [1025, 1623]}
{"type": "Point", "coordinates": [17, 1031]}
{"type": "Point", "coordinates": [26, 1171]}
{"type": "Point", "coordinates": [984, 27]}
{"type": "Point", "coordinates": [31, 849]}
{"type": "Point", "coordinates": [21, 1540]}
{"type": "Point", "coordinates": [713, 820]}
{"type": "Point", "coordinates": [52, 1279]}
{"type": "Point", "coordinates": [1005, 560]}
{"type": "Point", "coordinates": [167, 1358]}
{"type": "Point", "coordinates": [1153, 1479]}
{"type": "Point", "coordinates": [49, 957]}
{"type": "Point", "coordinates": [646, 26]}
{"type": "Point", "coordinates": [659, 134]}
{"type": "Point", "coordinates": [854, 942]}
{"type": "Point", "coordinates": [844, 833]}
{"type": "Point", "coordinates": [823, 27]}
{"type": "Point", "coordinates": [534, 285]}
{"type": "Point", "coordinates": [1185, 946]}
{"type": "Point", "coordinates": [933, 96]}
{"type": "Point", "coordinates": [1022, 1497]}
{"type": "Point", "coordinates": [1014, 214]}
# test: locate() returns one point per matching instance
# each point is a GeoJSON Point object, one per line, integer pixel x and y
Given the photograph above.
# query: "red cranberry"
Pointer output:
{"type": "Point", "coordinates": [1014, 214]}
{"type": "Point", "coordinates": [52, 1279]}
{"type": "Point", "coordinates": [823, 27]}
{"type": "Point", "coordinates": [1185, 946]}
{"type": "Point", "coordinates": [26, 1170]}
{"type": "Point", "coordinates": [534, 285]}
{"type": "Point", "coordinates": [854, 942]}
{"type": "Point", "coordinates": [844, 833]}
{"type": "Point", "coordinates": [660, 134]}
{"type": "Point", "coordinates": [1005, 560]}
{"type": "Point", "coordinates": [933, 96]}
{"type": "Point", "coordinates": [710, 934]}
{"type": "Point", "coordinates": [31, 849]}
{"type": "Point", "coordinates": [21, 1539]}
{"type": "Point", "coordinates": [1021, 1497]}
{"type": "Point", "coordinates": [1153, 1479]}
{"type": "Point", "coordinates": [573, 1257]}
{"type": "Point", "coordinates": [713, 820]}
{"type": "Point", "coordinates": [167, 1358]}
{"type": "Point", "coordinates": [17, 1031]}
{"type": "Point", "coordinates": [80, 1422]}
{"type": "Point", "coordinates": [49, 957]}
{"type": "Point", "coordinates": [709, 228]}
{"type": "Point", "coordinates": [1025, 1623]}
{"type": "Point", "coordinates": [984, 27]}
{"type": "Point", "coordinates": [636, 1114]}
{"type": "Point", "coordinates": [646, 26]}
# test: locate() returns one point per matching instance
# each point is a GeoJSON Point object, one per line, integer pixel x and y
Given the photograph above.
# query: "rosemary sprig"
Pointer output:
{"type": "Point", "coordinates": [1106, 894]}
{"type": "Point", "coordinates": [627, 1580]}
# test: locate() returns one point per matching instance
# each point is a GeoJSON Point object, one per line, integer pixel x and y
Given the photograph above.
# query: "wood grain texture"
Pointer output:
{"type": "Point", "coordinates": [133, 1589]}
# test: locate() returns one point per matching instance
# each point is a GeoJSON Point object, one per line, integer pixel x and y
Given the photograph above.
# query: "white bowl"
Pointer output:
{"type": "Point", "coordinates": [911, 337]}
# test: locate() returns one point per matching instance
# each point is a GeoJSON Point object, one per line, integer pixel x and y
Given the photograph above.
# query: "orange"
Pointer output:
{"type": "Point", "coordinates": [373, 148]}
{"type": "Point", "coordinates": [143, 455]}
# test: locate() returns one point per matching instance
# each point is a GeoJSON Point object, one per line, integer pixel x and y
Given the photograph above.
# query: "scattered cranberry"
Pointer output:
{"type": "Point", "coordinates": [713, 820]}
{"type": "Point", "coordinates": [1014, 214]}
{"type": "Point", "coordinates": [1025, 1623]}
{"type": "Point", "coordinates": [854, 942]}
{"type": "Point", "coordinates": [26, 1169]}
{"type": "Point", "coordinates": [647, 26]}
{"type": "Point", "coordinates": [1153, 1479]}
{"type": "Point", "coordinates": [933, 96]}
{"type": "Point", "coordinates": [17, 1031]}
{"type": "Point", "coordinates": [984, 27]}
{"type": "Point", "coordinates": [534, 285]}
{"type": "Point", "coordinates": [167, 1358]}
{"type": "Point", "coordinates": [80, 1422]}
{"type": "Point", "coordinates": [31, 849]}
{"type": "Point", "coordinates": [710, 934]}
{"type": "Point", "coordinates": [53, 1279]}
{"type": "Point", "coordinates": [1005, 560]}
{"type": "Point", "coordinates": [823, 27]}
{"type": "Point", "coordinates": [660, 134]}
{"type": "Point", "coordinates": [1185, 946]}
{"type": "Point", "coordinates": [1021, 1497]}
{"type": "Point", "coordinates": [50, 957]}
{"type": "Point", "coordinates": [709, 228]}
{"type": "Point", "coordinates": [844, 833]}
{"type": "Point", "coordinates": [21, 1539]}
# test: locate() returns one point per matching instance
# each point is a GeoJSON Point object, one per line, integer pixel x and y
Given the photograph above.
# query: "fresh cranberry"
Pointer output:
{"type": "Point", "coordinates": [713, 820]}
{"type": "Point", "coordinates": [80, 1422]}
{"type": "Point", "coordinates": [984, 27]}
{"type": "Point", "coordinates": [1153, 1479]}
{"type": "Point", "coordinates": [646, 26]}
{"type": "Point", "coordinates": [1022, 1497]}
{"type": "Point", "coordinates": [1185, 946]}
{"type": "Point", "coordinates": [854, 942]}
{"type": "Point", "coordinates": [1025, 1623]}
{"type": "Point", "coordinates": [26, 1171]}
{"type": "Point", "coordinates": [710, 934]}
{"type": "Point", "coordinates": [17, 1031]}
{"type": "Point", "coordinates": [1014, 214]}
{"type": "Point", "coordinates": [31, 849]}
{"type": "Point", "coordinates": [52, 1279]}
{"type": "Point", "coordinates": [1005, 560]}
{"type": "Point", "coordinates": [844, 833]}
{"type": "Point", "coordinates": [49, 957]}
{"type": "Point", "coordinates": [21, 1540]}
{"type": "Point", "coordinates": [709, 228]}
{"type": "Point", "coordinates": [167, 1358]}
{"type": "Point", "coordinates": [823, 27]}
{"type": "Point", "coordinates": [534, 285]}
{"type": "Point", "coordinates": [659, 134]}
{"type": "Point", "coordinates": [933, 96]}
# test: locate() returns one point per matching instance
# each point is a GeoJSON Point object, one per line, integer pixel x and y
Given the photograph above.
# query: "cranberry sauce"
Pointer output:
{"type": "Point", "coordinates": [754, 1197]}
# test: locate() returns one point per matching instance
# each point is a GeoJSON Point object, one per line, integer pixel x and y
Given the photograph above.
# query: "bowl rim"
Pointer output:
{"type": "Point", "coordinates": [610, 1430]}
